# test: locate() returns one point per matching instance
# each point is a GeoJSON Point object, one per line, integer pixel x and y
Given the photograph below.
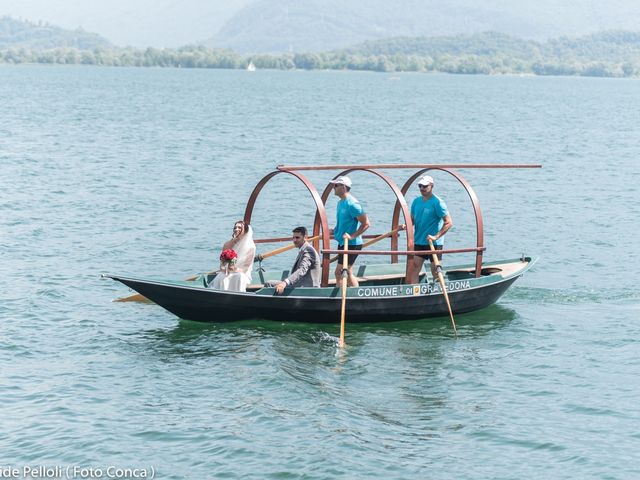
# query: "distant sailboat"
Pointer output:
{"type": "Point", "coordinates": [251, 67]}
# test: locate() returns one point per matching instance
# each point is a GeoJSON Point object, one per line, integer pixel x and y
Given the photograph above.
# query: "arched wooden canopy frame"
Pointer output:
{"type": "Point", "coordinates": [321, 225]}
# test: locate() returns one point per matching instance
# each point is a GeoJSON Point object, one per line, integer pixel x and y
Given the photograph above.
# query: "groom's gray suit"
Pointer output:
{"type": "Point", "coordinates": [305, 271]}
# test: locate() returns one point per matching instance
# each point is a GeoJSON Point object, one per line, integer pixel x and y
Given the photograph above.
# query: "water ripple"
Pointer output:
{"type": "Point", "coordinates": [142, 171]}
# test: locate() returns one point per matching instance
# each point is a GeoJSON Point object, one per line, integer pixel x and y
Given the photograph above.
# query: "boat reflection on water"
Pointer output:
{"type": "Point", "coordinates": [309, 343]}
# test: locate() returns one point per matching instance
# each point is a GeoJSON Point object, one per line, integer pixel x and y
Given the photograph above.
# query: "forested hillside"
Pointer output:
{"type": "Point", "coordinates": [614, 53]}
{"type": "Point", "coordinates": [20, 33]}
{"type": "Point", "coordinates": [607, 54]}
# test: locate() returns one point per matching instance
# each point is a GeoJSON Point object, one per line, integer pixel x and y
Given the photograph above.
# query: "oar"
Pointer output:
{"type": "Point", "coordinates": [136, 297]}
{"type": "Point", "coordinates": [281, 250]}
{"type": "Point", "coordinates": [345, 274]}
{"type": "Point", "coordinates": [436, 262]}
{"type": "Point", "coordinates": [140, 298]}
{"type": "Point", "coordinates": [372, 241]}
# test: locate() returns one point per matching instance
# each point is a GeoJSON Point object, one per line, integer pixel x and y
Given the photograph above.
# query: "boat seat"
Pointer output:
{"type": "Point", "coordinates": [375, 278]}
{"type": "Point", "coordinates": [367, 279]}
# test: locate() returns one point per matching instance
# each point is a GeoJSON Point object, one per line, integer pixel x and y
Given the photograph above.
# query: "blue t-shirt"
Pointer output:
{"type": "Point", "coordinates": [428, 218]}
{"type": "Point", "coordinates": [346, 222]}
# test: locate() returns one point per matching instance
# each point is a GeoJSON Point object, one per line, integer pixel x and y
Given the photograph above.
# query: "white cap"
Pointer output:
{"type": "Point", "coordinates": [426, 180]}
{"type": "Point", "coordinates": [346, 181]}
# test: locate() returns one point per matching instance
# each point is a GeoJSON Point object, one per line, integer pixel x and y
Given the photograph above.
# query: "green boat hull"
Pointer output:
{"type": "Point", "coordinates": [381, 297]}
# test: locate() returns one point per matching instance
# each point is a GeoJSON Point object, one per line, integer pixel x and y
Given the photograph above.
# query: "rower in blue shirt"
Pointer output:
{"type": "Point", "coordinates": [351, 220]}
{"type": "Point", "coordinates": [431, 219]}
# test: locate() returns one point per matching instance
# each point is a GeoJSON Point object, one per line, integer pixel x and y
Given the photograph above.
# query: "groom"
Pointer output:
{"type": "Point", "coordinates": [306, 269]}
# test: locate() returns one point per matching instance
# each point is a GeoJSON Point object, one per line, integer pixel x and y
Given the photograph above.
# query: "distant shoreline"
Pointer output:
{"type": "Point", "coordinates": [607, 54]}
{"type": "Point", "coordinates": [442, 72]}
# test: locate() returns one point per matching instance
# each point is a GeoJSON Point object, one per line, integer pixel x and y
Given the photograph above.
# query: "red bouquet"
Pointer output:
{"type": "Point", "coordinates": [229, 257]}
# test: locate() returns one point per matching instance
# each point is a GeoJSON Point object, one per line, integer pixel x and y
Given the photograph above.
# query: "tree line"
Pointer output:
{"type": "Point", "coordinates": [609, 54]}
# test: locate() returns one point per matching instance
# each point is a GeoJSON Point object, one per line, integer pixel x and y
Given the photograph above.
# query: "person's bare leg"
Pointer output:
{"type": "Point", "coordinates": [410, 272]}
{"type": "Point", "coordinates": [338, 274]}
{"type": "Point", "coordinates": [415, 268]}
{"type": "Point", "coordinates": [352, 281]}
{"type": "Point", "coordinates": [434, 272]}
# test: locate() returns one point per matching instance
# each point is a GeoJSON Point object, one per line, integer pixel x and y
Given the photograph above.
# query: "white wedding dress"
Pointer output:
{"type": "Point", "coordinates": [238, 280]}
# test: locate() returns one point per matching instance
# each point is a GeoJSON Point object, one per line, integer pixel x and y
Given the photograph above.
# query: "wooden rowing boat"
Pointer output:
{"type": "Point", "coordinates": [383, 294]}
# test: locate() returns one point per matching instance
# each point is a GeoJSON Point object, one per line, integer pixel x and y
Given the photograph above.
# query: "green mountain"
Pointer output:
{"type": "Point", "coordinates": [20, 33]}
{"type": "Point", "coordinates": [321, 25]}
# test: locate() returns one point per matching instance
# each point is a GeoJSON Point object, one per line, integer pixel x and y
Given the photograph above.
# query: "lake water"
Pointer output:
{"type": "Point", "coordinates": [143, 171]}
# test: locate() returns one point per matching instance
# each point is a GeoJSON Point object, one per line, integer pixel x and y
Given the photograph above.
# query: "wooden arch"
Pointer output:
{"type": "Point", "coordinates": [320, 211]}
{"type": "Point", "coordinates": [401, 205]}
{"type": "Point", "coordinates": [474, 202]}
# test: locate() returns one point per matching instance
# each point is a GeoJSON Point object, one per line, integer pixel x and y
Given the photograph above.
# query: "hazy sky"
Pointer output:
{"type": "Point", "coordinates": [172, 23]}
{"type": "Point", "coordinates": [141, 23]}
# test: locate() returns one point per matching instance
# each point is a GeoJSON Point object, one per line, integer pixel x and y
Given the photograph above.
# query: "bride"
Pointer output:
{"type": "Point", "coordinates": [236, 276]}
